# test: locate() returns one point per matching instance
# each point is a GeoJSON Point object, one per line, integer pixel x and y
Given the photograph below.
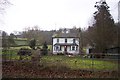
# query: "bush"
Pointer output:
{"type": "Point", "coordinates": [44, 49]}
{"type": "Point", "coordinates": [24, 52]}
{"type": "Point", "coordinates": [60, 53]}
{"type": "Point", "coordinates": [32, 44]}
{"type": "Point", "coordinates": [69, 54]}
{"type": "Point", "coordinates": [97, 55]}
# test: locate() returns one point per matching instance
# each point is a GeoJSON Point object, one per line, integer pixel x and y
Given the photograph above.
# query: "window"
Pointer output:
{"type": "Point", "coordinates": [57, 40]}
{"type": "Point", "coordinates": [65, 40]}
{"type": "Point", "coordinates": [73, 40]}
{"type": "Point", "coordinates": [73, 47]}
{"type": "Point", "coordinates": [76, 48]}
{"type": "Point", "coordinates": [60, 48]}
{"type": "Point", "coordinates": [57, 48]}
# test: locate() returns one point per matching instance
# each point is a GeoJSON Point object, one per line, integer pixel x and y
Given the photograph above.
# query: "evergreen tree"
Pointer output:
{"type": "Point", "coordinates": [11, 40]}
{"type": "Point", "coordinates": [32, 44]}
{"type": "Point", "coordinates": [103, 33]}
{"type": "Point", "coordinates": [44, 49]}
{"type": "Point", "coordinates": [117, 39]}
{"type": "Point", "coordinates": [5, 43]}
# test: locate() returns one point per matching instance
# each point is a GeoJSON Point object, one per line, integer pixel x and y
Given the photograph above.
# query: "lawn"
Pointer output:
{"type": "Point", "coordinates": [21, 41]}
{"type": "Point", "coordinates": [79, 63]}
{"type": "Point", "coordinates": [76, 62]}
{"type": "Point", "coordinates": [49, 47]}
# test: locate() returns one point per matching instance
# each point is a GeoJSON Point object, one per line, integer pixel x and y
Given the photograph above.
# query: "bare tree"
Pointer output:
{"type": "Point", "coordinates": [3, 5]}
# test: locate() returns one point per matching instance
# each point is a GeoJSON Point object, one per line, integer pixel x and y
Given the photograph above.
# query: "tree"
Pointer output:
{"type": "Point", "coordinates": [35, 33]}
{"type": "Point", "coordinates": [32, 44]}
{"type": "Point", "coordinates": [44, 48]}
{"type": "Point", "coordinates": [103, 32]}
{"type": "Point", "coordinates": [5, 43]}
{"type": "Point", "coordinates": [11, 40]}
{"type": "Point", "coordinates": [117, 39]}
{"type": "Point", "coordinates": [7, 40]}
{"type": "Point", "coordinates": [3, 5]}
{"type": "Point", "coordinates": [38, 34]}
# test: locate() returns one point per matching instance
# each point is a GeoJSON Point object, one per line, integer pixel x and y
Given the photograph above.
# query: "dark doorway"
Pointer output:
{"type": "Point", "coordinates": [65, 49]}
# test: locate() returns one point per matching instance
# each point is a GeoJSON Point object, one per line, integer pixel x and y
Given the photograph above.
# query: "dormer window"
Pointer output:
{"type": "Point", "coordinates": [65, 40]}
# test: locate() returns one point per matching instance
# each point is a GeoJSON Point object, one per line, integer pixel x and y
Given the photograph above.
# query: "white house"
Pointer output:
{"type": "Point", "coordinates": [65, 43]}
{"type": "Point", "coordinates": [88, 49]}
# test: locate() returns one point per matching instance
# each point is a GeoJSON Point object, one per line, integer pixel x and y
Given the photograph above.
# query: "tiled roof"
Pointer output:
{"type": "Point", "coordinates": [66, 35]}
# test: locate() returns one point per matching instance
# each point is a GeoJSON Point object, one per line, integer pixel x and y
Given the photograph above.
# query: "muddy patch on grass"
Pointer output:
{"type": "Point", "coordinates": [16, 69]}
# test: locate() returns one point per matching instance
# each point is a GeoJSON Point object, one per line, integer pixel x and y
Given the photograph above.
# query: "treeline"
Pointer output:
{"type": "Point", "coordinates": [41, 36]}
{"type": "Point", "coordinates": [86, 36]}
{"type": "Point", "coordinates": [103, 34]}
{"type": "Point", "coordinates": [28, 34]}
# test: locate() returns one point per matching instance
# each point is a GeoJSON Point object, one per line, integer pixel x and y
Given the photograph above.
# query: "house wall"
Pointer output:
{"type": "Point", "coordinates": [69, 40]}
{"type": "Point", "coordinates": [62, 40]}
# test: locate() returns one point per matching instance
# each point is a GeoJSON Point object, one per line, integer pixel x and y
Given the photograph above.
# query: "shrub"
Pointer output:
{"type": "Point", "coordinates": [24, 52]}
{"type": "Point", "coordinates": [97, 55]}
{"type": "Point", "coordinates": [32, 44]}
{"type": "Point", "coordinates": [60, 53]}
{"type": "Point", "coordinates": [44, 49]}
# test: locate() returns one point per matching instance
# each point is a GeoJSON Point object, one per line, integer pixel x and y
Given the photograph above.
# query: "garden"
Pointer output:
{"type": "Point", "coordinates": [57, 66]}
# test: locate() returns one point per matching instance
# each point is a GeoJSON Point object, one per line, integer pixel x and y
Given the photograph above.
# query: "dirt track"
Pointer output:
{"type": "Point", "coordinates": [28, 70]}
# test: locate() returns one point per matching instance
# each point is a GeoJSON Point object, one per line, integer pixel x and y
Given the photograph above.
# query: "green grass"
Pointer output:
{"type": "Point", "coordinates": [49, 47]}
{"type": "Point", "coordinates": [14, 48]}
{"type": "Point", "coordinates": [24, 41]}
{"type": "Point", "coordinates": [21, 42]}
{"type": "Point", "coordinates": [20, 38]}
{"type": "Point", "coordinates": [82, 63]}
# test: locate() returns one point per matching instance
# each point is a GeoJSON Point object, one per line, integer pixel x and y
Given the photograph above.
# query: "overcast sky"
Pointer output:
{"type": "Point", "coordinates": [52, 14]}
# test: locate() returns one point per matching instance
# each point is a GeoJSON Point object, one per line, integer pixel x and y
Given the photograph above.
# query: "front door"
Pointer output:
{"type": "Point", "coordinates": [65, 49]}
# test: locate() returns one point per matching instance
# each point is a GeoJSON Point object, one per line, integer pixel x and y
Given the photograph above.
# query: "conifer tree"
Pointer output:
{"type": "Point", "coordinates": [103, 33]}
{"type": "Point", "coordinates": [45, 47]}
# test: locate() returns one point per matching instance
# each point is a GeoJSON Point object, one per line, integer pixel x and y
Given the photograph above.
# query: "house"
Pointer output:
{"type": "Point", "coordinates": [89, 49]}
{"type": "Point", "coordinates": [65, 43]}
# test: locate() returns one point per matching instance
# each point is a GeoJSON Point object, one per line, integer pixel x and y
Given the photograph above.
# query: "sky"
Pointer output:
{"type": "Point", "coordinates": [52, 14]}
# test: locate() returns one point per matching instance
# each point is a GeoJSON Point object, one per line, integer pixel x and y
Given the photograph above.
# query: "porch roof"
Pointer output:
{"type": "Point", "coordinates": [66, 44]}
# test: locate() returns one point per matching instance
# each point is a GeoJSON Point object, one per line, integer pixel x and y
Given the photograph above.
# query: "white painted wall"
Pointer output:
{"type": "Point", "coordinates": [69, 40]}
{"type": "Point", "coordinates": [62, 40]}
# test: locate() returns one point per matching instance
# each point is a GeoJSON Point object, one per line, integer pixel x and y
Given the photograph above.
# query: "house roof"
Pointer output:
{"type": "Point", "coordinates": [66, 44]}
{"type": "Point", "coordinates": [65, 35]}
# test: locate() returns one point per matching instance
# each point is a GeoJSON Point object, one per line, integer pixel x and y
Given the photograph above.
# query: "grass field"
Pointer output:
{"type": "Point", "coordinates": [82, 63]}
{"type": "Point", "coordinates": [76, 62]}
{"type": "Point", "coordinates": [49, 47]}
{"type": "Point", "coordinates": [21, 41]}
